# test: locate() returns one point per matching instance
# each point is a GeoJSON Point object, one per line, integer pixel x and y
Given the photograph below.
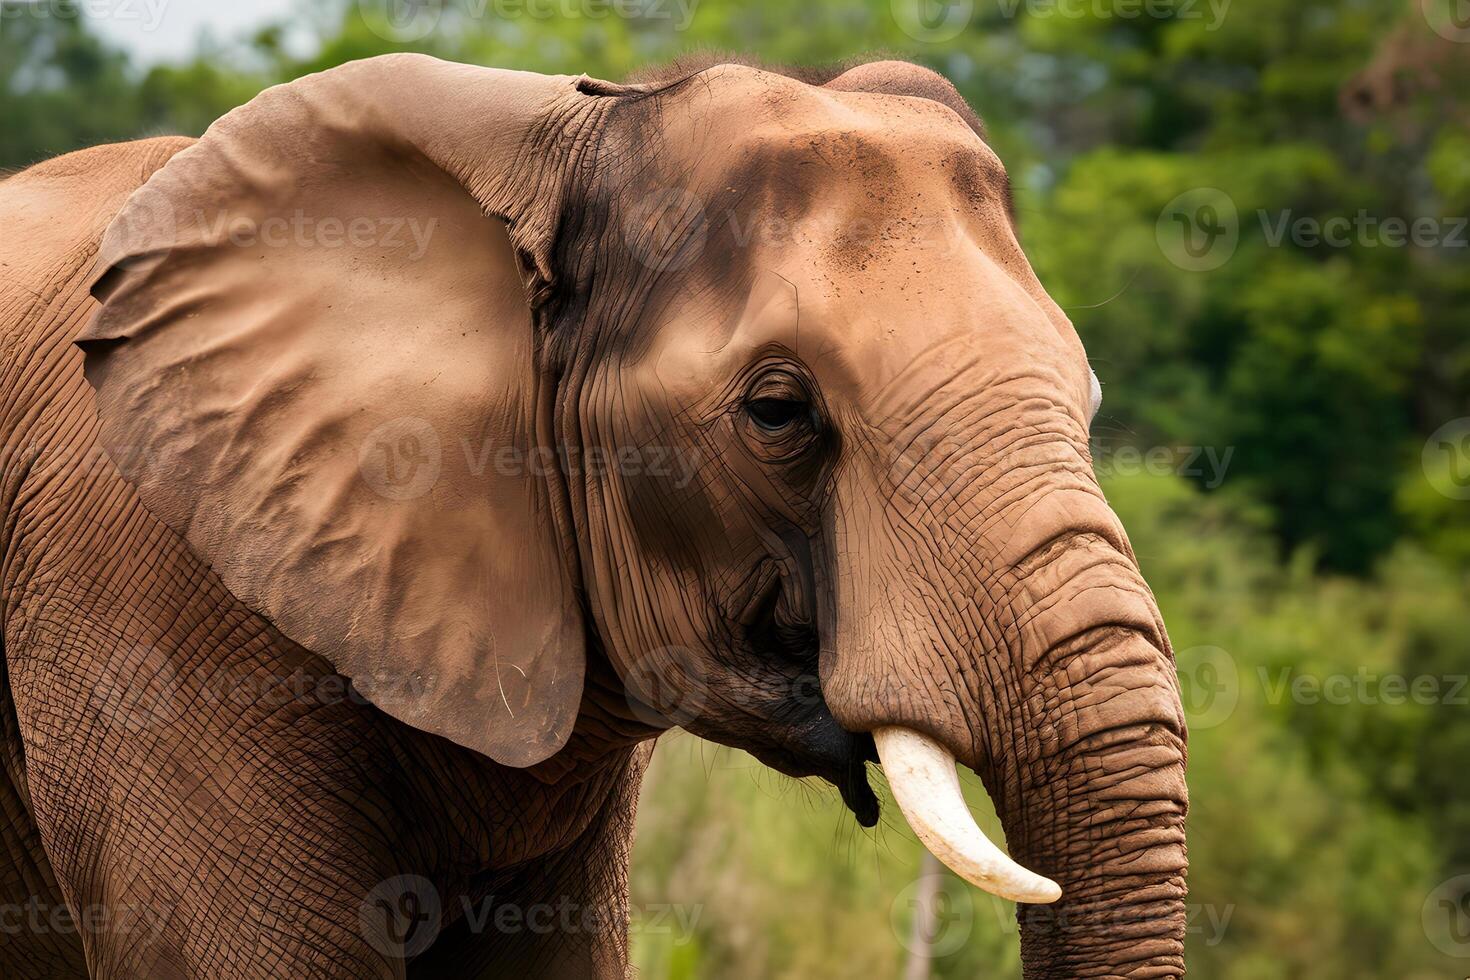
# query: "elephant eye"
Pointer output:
{"type": "Point", "coordinates": [780, 421]}
{"type": "Point", "coordinates": [775, 414]}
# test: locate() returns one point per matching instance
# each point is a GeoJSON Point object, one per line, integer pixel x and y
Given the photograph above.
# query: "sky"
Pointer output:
{"type": "Point", "coordinates": [166, 30]}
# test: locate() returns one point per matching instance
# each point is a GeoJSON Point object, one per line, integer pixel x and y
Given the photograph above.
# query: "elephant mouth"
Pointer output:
{"type": "Point", "coordinates": [776, 627]}
{"type": "Point", "coordinates": [802, 738]}
{"type": "Point", "coordinates": [798, 735]}
{"type": "Point", "coordinates": [827, 752]}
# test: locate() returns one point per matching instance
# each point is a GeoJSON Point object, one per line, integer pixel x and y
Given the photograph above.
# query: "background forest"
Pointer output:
{"type": "Point", "coordinates": [1255, 213]}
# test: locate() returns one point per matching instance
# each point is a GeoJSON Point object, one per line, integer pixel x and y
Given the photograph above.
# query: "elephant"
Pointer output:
{"type": "Point", "coordinates": [386, 468]}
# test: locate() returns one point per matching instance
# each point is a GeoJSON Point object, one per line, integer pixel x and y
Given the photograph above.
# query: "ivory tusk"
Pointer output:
{"type": "Point", "coordinates": [926, 784]}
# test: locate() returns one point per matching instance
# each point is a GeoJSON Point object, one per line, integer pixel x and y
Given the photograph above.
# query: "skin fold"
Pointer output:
{"type": "Point", "coordinates": [386, 469]}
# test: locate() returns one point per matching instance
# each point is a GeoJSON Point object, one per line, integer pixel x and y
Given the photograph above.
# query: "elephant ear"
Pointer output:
{"type": "Point", "coordinates": [315, 361]}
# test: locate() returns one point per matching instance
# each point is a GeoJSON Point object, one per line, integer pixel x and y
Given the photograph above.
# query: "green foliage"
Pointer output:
{"type": "Point", "coordinates": [62, 88]}
{"type": "Point", "coordinates": [1325, 801]}
{"type": "Point", "coordinates": [779, 881]}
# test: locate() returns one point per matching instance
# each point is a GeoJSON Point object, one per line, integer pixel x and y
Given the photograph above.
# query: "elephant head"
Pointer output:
{"type": "Point", "coordinates": [738, 385]}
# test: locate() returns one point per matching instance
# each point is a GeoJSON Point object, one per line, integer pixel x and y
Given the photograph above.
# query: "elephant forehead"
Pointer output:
{"type": "Point", "coordinates": [871, 207]}
{"type": "Point", "coordinates": [880, 223]}
{"type": "Point", "coordinates": [922, 318]}
{"type": "Point", "coordinates": [741, 138]}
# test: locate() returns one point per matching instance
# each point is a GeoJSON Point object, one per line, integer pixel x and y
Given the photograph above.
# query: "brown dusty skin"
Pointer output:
{"type": "Point", "coordinates": [547, 412]}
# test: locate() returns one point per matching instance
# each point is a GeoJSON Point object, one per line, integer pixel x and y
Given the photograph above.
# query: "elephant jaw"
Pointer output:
{"type": "Point", "coordinates": [925, 782]}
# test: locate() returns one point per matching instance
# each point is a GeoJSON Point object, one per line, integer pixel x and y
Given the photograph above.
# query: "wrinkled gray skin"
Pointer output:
{"type": "Point", "coordinates": [889, 519]}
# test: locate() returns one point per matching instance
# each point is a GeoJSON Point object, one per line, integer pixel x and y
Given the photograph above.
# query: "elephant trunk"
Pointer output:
{"type": "Point", "coordinates": [1103, 818]}
{"type": "Point", "coordinates": [1101, 811]}
{"type": "Point", "coordinates": [1041, 663]}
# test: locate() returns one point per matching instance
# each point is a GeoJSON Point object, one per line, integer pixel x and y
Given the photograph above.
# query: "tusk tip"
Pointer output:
{"type": "Point", "coordinates": [925, 782]}
{"type": "Point", "coordinates": [1038, 891]}
{"type": "Point", "coordinates": [1046, 892]}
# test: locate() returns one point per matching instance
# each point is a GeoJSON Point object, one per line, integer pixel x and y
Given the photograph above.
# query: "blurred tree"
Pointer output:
{"type": "Point", "coordinates": [60, 87]}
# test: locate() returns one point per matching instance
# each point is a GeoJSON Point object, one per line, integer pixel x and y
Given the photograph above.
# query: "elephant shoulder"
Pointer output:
{"type": "Point", "coordinates": [53, 214]}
